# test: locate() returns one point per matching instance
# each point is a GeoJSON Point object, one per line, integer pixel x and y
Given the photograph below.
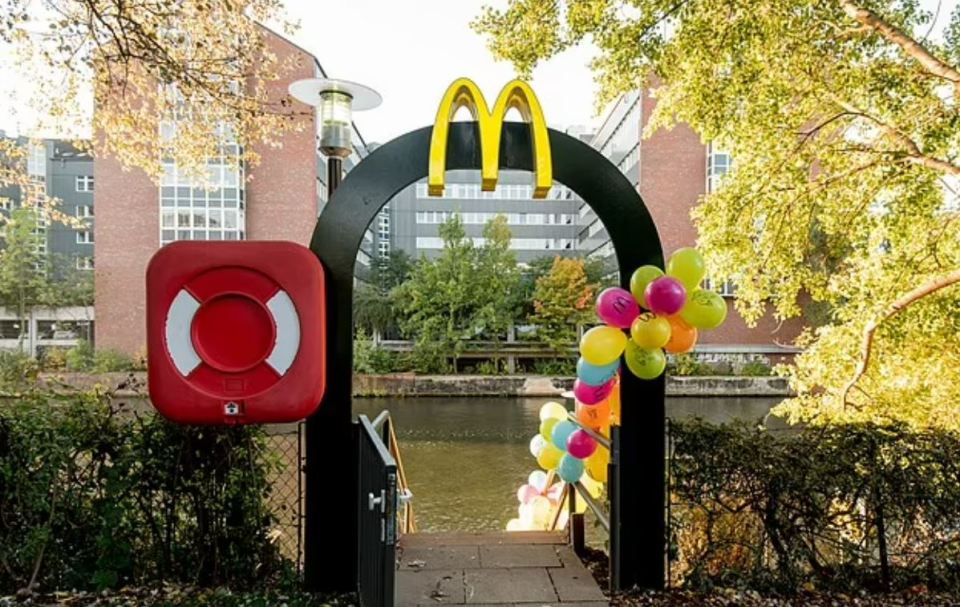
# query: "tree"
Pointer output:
{"type": "Point", "coordinates": [842, 120]}
{"type": "Point", "coordinates": [562, 302]}
{"type": "Point", "coordinates": [204, 64]}
{"type": "Point", "coordinates": [462, 295]}
{"type": "Point", "coordinates": [23, 271]}
{"type": "Point", "coordinates": [374, 309]}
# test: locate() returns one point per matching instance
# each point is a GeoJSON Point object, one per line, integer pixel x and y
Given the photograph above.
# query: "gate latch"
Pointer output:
{"type": "Point", "coordinates": [373, 502]}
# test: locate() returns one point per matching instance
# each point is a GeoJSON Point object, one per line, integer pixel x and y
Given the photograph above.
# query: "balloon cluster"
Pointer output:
{"type": "Point", "coordinates": [565, 451]}
{"type": "Point", "coordinates": [663, 311]}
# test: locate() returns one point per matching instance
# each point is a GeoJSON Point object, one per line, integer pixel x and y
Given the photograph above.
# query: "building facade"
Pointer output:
{"type": "Point", "coordinates": [540, 227]}
{"type": "Point", "coordinates": [60, 170]}
{"type": "Point", "coordinates": [278, 199]}
{"type": "Point", "coordinates": [673, 170]}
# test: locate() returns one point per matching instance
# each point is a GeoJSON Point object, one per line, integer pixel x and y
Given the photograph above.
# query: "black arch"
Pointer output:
{"type": "Point", "coordinates": [331, 532]}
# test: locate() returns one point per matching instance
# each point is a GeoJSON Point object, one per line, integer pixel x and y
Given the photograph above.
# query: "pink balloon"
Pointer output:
{"type": "Point", "coordinates": [665, 296]}
{"type": "Point", "coordinates": [554, 491]}
{"type": "Point", "coordinates": [617, 307]}
{"type": "Point", "coordinates": [526, 493]}
{"type": "Point", "coordinates": [581, 445]}
{"type": "Point", "coordinates": [591, 395]}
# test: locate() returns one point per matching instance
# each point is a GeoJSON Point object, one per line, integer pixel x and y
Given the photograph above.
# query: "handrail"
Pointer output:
{"type": "Point", "coordinates": [407, 519]}
{"type": "Point", "coordinates": [603, 440]}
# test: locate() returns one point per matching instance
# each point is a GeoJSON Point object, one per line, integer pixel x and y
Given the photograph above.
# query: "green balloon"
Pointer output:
{"type": "Point", "coordinates": [704, 310]}
{"type": "Point", "coordinates": [643, 276]}
{"type": "Point", "coordinates": [645, 364]}
{"type": "Point", "coordinates": [686, 265]}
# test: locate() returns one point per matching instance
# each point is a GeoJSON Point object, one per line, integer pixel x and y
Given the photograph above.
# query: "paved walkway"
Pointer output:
{"type": "Point", "coordinates": [517, 568]}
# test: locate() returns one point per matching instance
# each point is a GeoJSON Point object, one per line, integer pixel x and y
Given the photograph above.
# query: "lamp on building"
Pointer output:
{"type": "Point", "coordinates": [336, 100]}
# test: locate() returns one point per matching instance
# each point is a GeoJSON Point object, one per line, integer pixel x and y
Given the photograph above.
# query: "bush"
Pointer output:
{"type": "Point", "coordinates": [803, 509]}
{"type": "Point", "coordinates": [17, 371]}
{"type": "Point", "coordinates": [556, 367]}
{"type": "Point", "coordinates": [93, 496]}
{"type": "Point", "coordinates": [80, 358]}
{"type": "Point", "coordinates": [687, 365]}
{"type": "Point", "coordinates": [108, 361]}
{"type": "Point", "coordinates": [756, 368]}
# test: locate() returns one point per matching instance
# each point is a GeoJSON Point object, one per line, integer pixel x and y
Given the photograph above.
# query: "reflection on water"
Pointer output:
{"type": "Point", "coordinates": [465, 457]}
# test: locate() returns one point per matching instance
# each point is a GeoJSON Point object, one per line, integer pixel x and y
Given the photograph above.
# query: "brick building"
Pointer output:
{"type": "Point", "coordinates": [279, 199]}
{"type": "Point", "coordinates": [673, 170]}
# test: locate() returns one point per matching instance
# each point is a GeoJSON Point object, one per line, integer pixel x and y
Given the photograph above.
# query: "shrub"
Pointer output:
{"type": "Point", "coordinates": [80, 358]}
{"type": "Point", "coordinates": [781, 511]}
{"type": "Point", "coordinates": [687, 365]}
{"type": "Point", "coordinates": [93, 496]}
{"type": "Point", "coordinates": [562, 367]}
{"type": "Point", "coordinates": [756, 368]}
{"type": "Point", "coordinates": [17, 371]}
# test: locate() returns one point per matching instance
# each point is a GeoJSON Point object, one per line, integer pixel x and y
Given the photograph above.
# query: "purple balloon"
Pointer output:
{"type": "Point", "coordinates": [591, 395]}
{"type": "Point", "coordinates": [665, 296]}
{"type": "Point", "coordinates": [581, 445]}
{"type": "Point", "coordinates": [617, 307]}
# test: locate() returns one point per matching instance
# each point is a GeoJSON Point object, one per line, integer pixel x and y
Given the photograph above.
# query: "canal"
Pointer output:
{"type": "Point", "coordinates": [466, 457]}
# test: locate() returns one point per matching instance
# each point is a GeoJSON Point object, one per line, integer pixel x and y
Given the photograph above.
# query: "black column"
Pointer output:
{"type": "Point", "coordinates": [330, 525]}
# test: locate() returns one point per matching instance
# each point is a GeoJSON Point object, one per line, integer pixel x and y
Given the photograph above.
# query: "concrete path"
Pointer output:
{"type": "Point", "coordinates": [517, 568]}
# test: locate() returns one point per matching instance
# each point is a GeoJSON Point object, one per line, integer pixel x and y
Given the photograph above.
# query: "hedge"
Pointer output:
{"type": "Point", "coordinates": [94, 496]}
{"type": "Point", "coordinates": [843, 508]}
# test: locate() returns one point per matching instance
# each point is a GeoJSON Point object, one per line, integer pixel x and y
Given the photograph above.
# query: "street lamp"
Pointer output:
{"type": "Point", "coordinates": [326, 569]}
{"type": "Point", "coordinates": [336, 100]}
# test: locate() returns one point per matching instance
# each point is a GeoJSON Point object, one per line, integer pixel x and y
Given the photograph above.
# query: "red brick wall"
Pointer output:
{"type": "Point", "coordinates": [673, 177]}
{"type": "Point", "coordinates": [281, 205]}
{"type": "Point", "coordinates": [126, 234]}
{"type": "Point", "coordinates": [282, 191]}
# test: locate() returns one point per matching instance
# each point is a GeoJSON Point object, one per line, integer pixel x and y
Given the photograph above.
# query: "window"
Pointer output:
{"type": "Point", "coordinates": [84, 183]}
{"type": "Point", "coordinates": [84, 263]}
{"type": "Point", "coordinates": [9, 329]}
{"type": "Point", "coordinates": [84, 237]}
{"type": "Point", "coordinates": [429, 242]}
{"type": "Point", "coordinates": [37, 161]}
{"type": "Point", "coordinates": [190, 210]}
{"type": "Point", "coordinates": [718, 164]}
{"type": "Point", "coordinates": [84, 210]}
{"type": "Point", "coordinates": [726, 289]}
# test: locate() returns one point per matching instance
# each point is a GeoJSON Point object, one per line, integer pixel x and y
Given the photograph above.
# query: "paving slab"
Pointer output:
{"type": "Point", "coordinates": [528, 585]}
{"type": "Point", "coordinates": [440, 557]}
{"type": "Point", "coordinates": [572, 584]}
{"type": "Point", "coordinates": [429, 588]}
{"type": "Point", "coordinates": [483, 539]}
{"type": "Point", "coordinates": [519, 555]}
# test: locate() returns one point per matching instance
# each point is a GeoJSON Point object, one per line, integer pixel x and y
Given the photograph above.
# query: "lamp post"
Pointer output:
{"type": "Point", "coordinates": [336, 100]}
{"type": "Point", "coordinates": [330, 532]}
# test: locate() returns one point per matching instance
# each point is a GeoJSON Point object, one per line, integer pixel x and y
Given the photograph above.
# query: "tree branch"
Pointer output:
{"type": "Point", "coordinates": [934, 65]}
{"type": "Point", "coordinates": [895, 308]}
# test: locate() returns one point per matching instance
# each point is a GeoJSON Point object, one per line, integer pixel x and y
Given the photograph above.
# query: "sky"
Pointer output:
{"type": "Point", "coordinates": [409, 51]}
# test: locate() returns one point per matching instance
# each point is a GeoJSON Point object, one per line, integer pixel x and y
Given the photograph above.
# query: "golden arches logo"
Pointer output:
{"type": "Point", "coordinates": [516, 94]}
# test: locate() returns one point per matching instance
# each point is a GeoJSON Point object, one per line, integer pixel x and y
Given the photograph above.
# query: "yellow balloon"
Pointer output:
{"type": "Point", "coordinates": [596, 465]}
{"type": "Point", "coordinates": [552, 410]}
{"type": "Point", "coordinates": [687, 266]}
{"type": "Point", "coordinates": [650, 331]}
{"type": "Point", "coordinates": [602, 345]}
{"type": "Point", "coordinates": [549, 457]}
{"type": "Point", "coordinates": [542, 512]}
{"type": "Point", "coordinates": [614, 401]}
{"type": "Point", "coordinates": [546, 428]}
{"type": "Point", "coordinates": [594, 488]}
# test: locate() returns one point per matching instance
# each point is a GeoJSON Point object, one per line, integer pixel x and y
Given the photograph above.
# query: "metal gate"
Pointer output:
{"type": "Point", "coordinates": [378, 514]}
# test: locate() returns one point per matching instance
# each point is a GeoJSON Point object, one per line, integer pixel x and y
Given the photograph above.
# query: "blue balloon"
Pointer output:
{"type": "Point", "coordinates": [561, 432]}
{"type": "Point", "coordinates": [596, 375]}
{"type": "Point", "coordinates": [570, 468]}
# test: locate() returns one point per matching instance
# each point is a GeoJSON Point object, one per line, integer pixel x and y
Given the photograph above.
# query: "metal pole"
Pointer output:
{"type": "Point", "coordinates": [330, 514]}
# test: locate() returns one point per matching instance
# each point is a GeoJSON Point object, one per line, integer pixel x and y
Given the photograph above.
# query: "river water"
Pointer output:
{"type": "Point", "coordinates": [465, 457]}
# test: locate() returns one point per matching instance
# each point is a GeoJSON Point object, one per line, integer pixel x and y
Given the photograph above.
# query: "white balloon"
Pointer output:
{"type": "Point", "coordinates": [538, 480]}
{"type": "Point", "coordinates": [536, 445]}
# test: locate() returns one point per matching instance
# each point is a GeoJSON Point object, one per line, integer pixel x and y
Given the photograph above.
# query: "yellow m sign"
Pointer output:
{"type": "Point", "coordinates": [517, 94]}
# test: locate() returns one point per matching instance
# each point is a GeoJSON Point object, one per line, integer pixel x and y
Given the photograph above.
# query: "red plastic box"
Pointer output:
{"type": "Point", "coordinates": [235, 332]}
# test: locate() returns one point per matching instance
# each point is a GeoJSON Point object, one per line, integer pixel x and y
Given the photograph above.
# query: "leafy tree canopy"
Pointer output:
{"type": "Point", "coordinates": [842, 120]}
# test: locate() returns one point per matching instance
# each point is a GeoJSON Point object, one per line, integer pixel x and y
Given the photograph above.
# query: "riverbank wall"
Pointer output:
{"type": "Point", "coordinates": [410, 385]}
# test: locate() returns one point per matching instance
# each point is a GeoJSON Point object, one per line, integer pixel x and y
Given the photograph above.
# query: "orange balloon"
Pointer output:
{"type": "Point", "coordinates": [595, 416]}
{"type": "Point", "coordinates": [614, 402]}
{"type": "Point", "coordinates": [682, 336]}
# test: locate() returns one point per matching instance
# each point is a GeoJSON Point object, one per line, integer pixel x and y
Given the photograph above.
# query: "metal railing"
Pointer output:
{"type": "Point", "coordinates": [405, 516]}
{"type": "Point", "coordinates": [608, 519]}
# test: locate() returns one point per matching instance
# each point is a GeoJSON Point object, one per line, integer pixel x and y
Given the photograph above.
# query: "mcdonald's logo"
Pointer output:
{"type": "Point", "coordinates": [516, 94]}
